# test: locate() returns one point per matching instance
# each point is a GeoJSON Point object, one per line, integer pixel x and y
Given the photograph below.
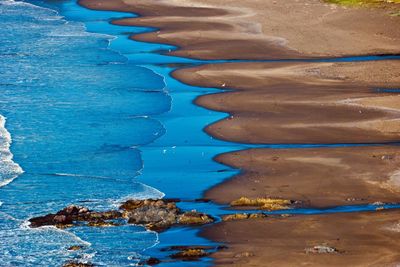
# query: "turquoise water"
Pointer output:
{"type": "Point", "coordinates": [94, 118]}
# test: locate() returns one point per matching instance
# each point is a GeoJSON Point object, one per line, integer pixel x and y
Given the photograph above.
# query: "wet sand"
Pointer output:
{"type": "Point", "coordinates": [294, 103]}
{"type": "Point", "coordinates": [260, 29]}
{"type": "Point", "coordinates": [301, 103]}
{"type": "Point", "coordinates": [317, 177]}
{"type": "Point", "coordinates": [361, 239]}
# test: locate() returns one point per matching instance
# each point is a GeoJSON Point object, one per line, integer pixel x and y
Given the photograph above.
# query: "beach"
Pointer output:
{"type": "Point", "coordinates": [348, 110]}
{"type": "Point", "coordinates": [196, 133]}
{"type": "Point", "coordinates": [360, 239]}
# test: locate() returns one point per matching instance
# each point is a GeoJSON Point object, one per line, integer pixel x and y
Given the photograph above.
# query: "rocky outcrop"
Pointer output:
{"type": "Point", "coordinates": [194, 218]}
{"type": "Point", "coordinates": [160, 214]}
{"type": "Point", "coordinates": [155, 214]}
{"type": "Point", "coordinates": [183, 253]}
{"type": "Point", "coordinates": [73, 215]}
{"type": "Point", "coordinates": [190, 254]}
{"type": "Point", "coordinates": [151, 262]}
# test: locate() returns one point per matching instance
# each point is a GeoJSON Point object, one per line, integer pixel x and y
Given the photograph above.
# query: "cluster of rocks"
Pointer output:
{"type": "Point", "coordinates": [184, 253]}
{"type": "Point", "coordinates": [75, 215]}
{"type": "Point", "coordinates": [161, 214]}
{"type": "Point", "coordinates": [181, 253]}
{"type": "Point", "coordinates": [155, 215]}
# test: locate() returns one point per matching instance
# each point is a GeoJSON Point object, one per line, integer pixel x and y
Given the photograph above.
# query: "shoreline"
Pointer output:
{"type": "Point", "coordinates": [247, 39]}
{"type": "Point", "coordinates": [375, 117]}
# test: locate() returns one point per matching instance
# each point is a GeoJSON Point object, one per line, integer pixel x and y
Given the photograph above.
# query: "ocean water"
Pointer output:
{"type": "Point", "coordinates": [75, 112]}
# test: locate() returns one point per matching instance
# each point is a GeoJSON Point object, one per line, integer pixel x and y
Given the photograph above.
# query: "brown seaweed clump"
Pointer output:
{"type": "Point", "coordinates": [194, 218]}
{"type": "Point", "coordinates": [269, 204]}
{"type": "Point", "coordinates": [243, 216]}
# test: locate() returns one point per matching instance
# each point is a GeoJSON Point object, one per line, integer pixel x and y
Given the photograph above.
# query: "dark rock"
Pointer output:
{"type": "Point", "coordinates": [50, 219]}
{"type": "Point", "coordinates": [75, 248]}
{"type": "Point", "coordinates": [180, 248]}
{"type": "Point", "coordinates": [171, 200]}
{"type": "Point", "coordinates": [159, 215]}
{"type": "Point", "coordinates": [77, 264]}
{"type": "Point", "coordinates": [72, 214]}
{"type": "Point", "coordinates": [153, 261]}
{"type": "Point", "coordinates": [95, 216]}
{"type": "Point", "coordinates": [154, 214]}
{"type": "Point", "coordinates": [194, 218]}
{"type": "Point", "coordinates": [190, 254]}
{"type": "Point", "coordinates": [202, 200]}
{"type": "Point", "coordinates": [60, 219]}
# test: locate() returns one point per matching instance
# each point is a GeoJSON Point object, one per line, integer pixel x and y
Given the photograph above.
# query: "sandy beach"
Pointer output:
{"type": "Point", "coordinates": [321, 103]}
{"type": "Point", "coordinates": [361, 239]}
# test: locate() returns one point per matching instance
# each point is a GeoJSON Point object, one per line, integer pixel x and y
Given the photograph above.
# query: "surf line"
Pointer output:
{"type": "Point", "coordinates": [9, 170]}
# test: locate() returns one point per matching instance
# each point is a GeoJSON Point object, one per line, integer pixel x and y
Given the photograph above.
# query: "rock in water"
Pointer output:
{"type": "Point", "coordinates": [190, 254]}
{"type": "Point", "coordinates": [77, 264]}
{"type": "Point", "coordinates": [73, 214]}
{"type": "Point", "coordinates": [157, 214]}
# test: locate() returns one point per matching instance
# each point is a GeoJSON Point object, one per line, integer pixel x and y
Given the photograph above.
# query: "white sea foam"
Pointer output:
{"type": "Point", "coordinates": [9, 170]}
{"type": "Point", "coordinates": [48, 228]}
{"type": "Point", "coordinates": [148, 192]}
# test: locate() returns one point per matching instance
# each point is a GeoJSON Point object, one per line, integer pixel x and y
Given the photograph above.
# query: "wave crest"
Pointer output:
{"type": "Point", "coordinates": [9, 170]}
